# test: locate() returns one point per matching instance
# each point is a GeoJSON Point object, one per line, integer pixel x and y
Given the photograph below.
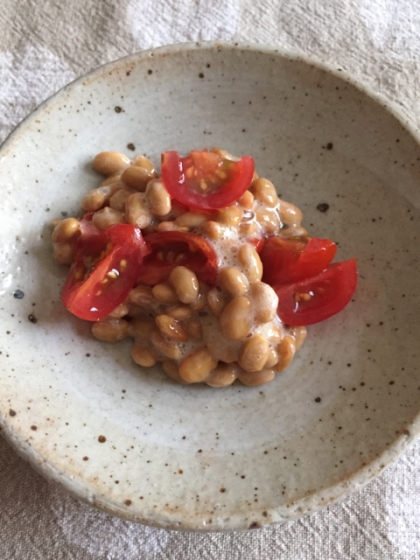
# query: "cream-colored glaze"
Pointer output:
{"type": "Point", "coordinates": [194, 457]}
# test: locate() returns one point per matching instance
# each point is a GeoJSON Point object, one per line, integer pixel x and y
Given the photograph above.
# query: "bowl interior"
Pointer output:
{"type": "Point", "coordinates": [130, 440]}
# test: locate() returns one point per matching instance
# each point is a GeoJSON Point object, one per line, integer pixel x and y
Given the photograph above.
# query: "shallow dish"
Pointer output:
{"type": "Point", "coordinates": [129, 440]}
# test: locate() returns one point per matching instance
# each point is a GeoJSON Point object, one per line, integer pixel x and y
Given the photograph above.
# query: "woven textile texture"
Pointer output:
{"type": "Point", "coordinates": [44, 44]}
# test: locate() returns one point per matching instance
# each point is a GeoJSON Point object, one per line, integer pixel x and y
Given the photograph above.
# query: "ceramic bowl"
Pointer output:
{"type": "Point", "coordinates": [132, 442]}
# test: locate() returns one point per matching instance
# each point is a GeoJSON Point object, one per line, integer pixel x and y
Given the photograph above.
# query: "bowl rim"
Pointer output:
{"type": "Point", "coordinates": [324, 497]}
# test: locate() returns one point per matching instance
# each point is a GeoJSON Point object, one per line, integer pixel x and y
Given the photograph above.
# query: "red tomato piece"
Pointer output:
{"type": "Point", "coordinates": [315, 299]}
{"type": "Point", "coordinates": [204, 180]}
{"type": "Point", "coordinates": [287, 261]}
{"type": "Point", "coordinates": [176, 248]}
{"type": "Point", "coordinates": [104, 273]}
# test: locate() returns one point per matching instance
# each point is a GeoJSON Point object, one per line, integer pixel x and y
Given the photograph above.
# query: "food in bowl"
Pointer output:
{"type": "Point", "coordinates": [205, 267]}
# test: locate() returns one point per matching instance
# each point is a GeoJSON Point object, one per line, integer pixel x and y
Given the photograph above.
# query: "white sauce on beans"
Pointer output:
{"type": "Point", "coordinates": [257, 220]}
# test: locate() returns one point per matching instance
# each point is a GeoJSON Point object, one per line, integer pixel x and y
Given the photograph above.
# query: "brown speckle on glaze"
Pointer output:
{"type": "Point", "coordinates": [32, 318]}
{"type": "Point", "coordinates": [12, 412]}
{"type": "Point", "coordinates": [34, 428]}
{"type": "Point", "coordinates": [128, 502]}
{"type": "Point", "coordinates": [323, 207]}
{"type": "Point", "coordinates": [102, 439]}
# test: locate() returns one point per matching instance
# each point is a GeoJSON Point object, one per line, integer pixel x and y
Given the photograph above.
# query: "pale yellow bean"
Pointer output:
{"type": "Point", "coordinates": [107, 217]}
{"type": "Point", "coordinates": [172, 370]}
{"type": "Point", "coordinates": [211, 229]}
{"type": "Point", "coordinates": [143, 297]}
{"type": "Point", "coordinates": [248, 228]}
{"type": "Point", "coordinates": [272, 359]}
{"type": "Point", "coordinates": [294, 232]}
{"type": "Point", "coordinates": [110, 163]}
{"type": "Point", "coordinates": [111, 330]}
{"type": "Point", "coordinates": [254, 353]}
{"type": "Point", "coordinates": [112, 180]}
{"type": "Point", "coordinates": [235, 320]}
{"type": "Point", "coordinates": [216, 301]}
{"type": "Point", "coordinates": [299, 334]}
{"type": "Point", "coordinates": [140, 328]}
{"type": "Point", "coordinates": [143, 161]}
{"type": "Point", "coordinates": [143, 355]}
{"type": "Point", "coordinates": [264, 302]}
{"type": "Point", "coordinates": [253, 379]}
{"type": "Point", "coordinates": [246, 200]}
{"type": "Point", "coordinates": [180, 312]}
{"type": "Point", "coordinates": [119, 199]}
{"type": "Point", "coordinates": [286, 351]}
{"type": "Point", "coordinates": [190, 219]}
{"type": "Point", "coordinates": [264, 191]}
{"type": "Point", "coordinates": [233, 281]}
{"type": "Point", "coordinates": [185, 284]}
{"type": "Point", "coordinates": [93, 201]}
{"type": "Point", "coordinates": [200, 302]}
{"type": "Point", "coordinates": [119, 312]}
{"type": "Point", "coordinates": [230, 216]}
{"type": "Point", "coordinates": [158, 197]}
{"type": "Point", "coordinates": [136, 178]}
{"type": "Point", "coordinates": [290, 214]}
{"type": "Point", "coordinates": [268, 220]}
{"type": "Point", "coordinates": [197, 366]}
{"type": "Point", "coordinates": [251, 262]}
{"type": "Point", "coordinates": [171, 328]}
{"type": "Point", "coordinates": [65, 230]}
{"type": "Point", "coordinates": [137, 211]}
{"type": "Point", "coordinates": [164, 346]}
{"type": "Point", "coordinates": [166, 226]}
{"type": "Point", "coordinates": [165, 293]}
{"type": "Point", "coordinates": [63, 253]}
{"type": "Point", "coordinates": [222, 376]}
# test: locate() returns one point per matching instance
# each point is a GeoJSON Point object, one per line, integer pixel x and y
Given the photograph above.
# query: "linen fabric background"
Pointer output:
{"type": "Point", "coordinates": [44, 44]}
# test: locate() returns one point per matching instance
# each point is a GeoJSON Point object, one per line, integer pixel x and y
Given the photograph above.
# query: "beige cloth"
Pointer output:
{"type": "Point", "coordinates": [46, 43]}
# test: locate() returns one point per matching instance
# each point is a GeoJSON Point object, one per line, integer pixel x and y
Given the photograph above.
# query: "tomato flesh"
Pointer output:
{"type": "Point", "coordinates": [104, 272]}
{"type": "Point", "coordinates": [317, 298]}
{"type": "Point", "coordinates": [176, 248]}
{"type": "Point", "coordinates": [204, 180]}
{"type": "Point", "coordinates": [287, 261]}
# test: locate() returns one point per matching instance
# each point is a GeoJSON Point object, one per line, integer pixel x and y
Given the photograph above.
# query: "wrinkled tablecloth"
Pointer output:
{"type": "Point", "coordinates": [44, 44]}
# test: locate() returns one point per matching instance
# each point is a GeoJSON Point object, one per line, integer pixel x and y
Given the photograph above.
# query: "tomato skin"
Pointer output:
{"type": "Point", "coordinates": [331, 290]}
{"type": "Point", "coordinates": [166, 248]}
{"type": "Point", "coordinates": [287, 261]}
{"type": "Point", "coordinates": [89, 293]}
{"type": "Point", "coordinates": [174, 171]}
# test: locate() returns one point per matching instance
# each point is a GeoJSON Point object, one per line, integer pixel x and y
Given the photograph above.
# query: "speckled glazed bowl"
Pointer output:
{"type": "Point", "coordinates": [131, 441]}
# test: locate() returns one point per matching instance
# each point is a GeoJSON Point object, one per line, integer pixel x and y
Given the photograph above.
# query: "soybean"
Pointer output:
{"type": "Point", "coordinates": [197, 366]}
{"type": "Point", "coordinates": [235, 320]}
{"type": "Point", "coordinates": [110, 163]}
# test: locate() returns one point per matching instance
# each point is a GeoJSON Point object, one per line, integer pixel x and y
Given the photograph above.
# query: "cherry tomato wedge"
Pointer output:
{"type": "Point", "coordinates": [204, 180]}
{"type": "Point", "coordinates": [104, 273]}
{"type": "Point", "coordinates": [176, 248]}
{"type": "Point", "coordinates": [315, 299]}
{"type": "Point", "coordinates": [287, 261]}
